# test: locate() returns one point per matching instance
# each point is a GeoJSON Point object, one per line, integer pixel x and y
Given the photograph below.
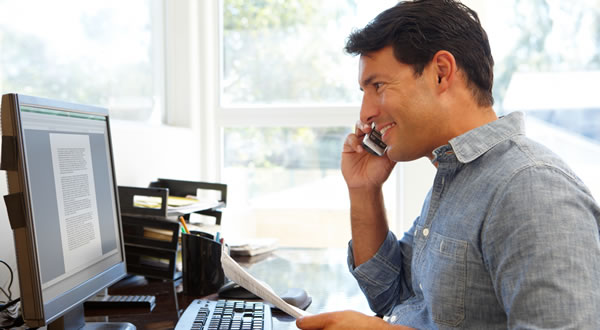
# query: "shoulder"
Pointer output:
{"type": "Point", "coordinates": [537, 188]}
{"type": "Point", "coordinates": [520, 160]}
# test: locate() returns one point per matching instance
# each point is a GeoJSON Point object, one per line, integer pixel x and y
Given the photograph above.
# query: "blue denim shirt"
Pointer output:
{"type": "Point", "coordinates": [507, 238]}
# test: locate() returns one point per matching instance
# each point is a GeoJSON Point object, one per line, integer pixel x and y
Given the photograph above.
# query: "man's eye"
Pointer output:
{"type": "Point", "coordinates": [377, 85]}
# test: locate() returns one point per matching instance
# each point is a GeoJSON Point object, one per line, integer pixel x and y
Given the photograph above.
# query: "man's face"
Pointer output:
{"type": "Point", "coordinates": [402, 105]}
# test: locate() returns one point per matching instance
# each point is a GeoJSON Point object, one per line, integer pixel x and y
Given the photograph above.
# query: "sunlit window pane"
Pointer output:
{"type": "Point", "coordinates": [96, 52]}
{"type": "Point", "coordinates": [547, 67]}
{"type": "Point", "coordinates": [292, 51]}
{"type": "Point", "coordinates": [290, 182]}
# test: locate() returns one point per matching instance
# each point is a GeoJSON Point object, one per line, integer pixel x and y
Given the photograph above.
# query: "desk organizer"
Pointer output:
{"type": "Point", "coordinates": [151, 235]}
{"type": "Point", "coordinates": [186, 188]}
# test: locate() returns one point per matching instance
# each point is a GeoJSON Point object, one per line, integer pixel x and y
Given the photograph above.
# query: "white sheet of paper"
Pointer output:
{"type": "Point", "coordinates": [76, 199]}
{"type": "Point", "coordinates": [239, 275]}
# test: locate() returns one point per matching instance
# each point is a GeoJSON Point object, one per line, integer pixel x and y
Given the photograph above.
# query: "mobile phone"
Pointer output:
{"type": "Point", "coordinates": [372, 143]}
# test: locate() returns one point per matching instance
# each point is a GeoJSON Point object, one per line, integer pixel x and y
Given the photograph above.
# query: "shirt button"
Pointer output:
{"type": "Point", "coordinates": [425, 232]}
{"type": "Point", "coordinates": [421, 286]}
{"type": "Point", "coordinates": [392, 318]}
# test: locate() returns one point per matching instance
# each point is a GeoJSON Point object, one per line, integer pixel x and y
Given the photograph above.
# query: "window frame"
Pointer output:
{"type": "Point", "coordinates": [214, 117]}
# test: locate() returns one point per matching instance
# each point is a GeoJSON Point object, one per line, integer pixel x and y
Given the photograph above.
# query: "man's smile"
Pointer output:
{"type": "Point", "coordinates": [386, 128]}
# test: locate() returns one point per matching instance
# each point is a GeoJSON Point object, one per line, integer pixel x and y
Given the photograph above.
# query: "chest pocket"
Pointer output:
{"type": "Point", "coordinates": [444, 279]}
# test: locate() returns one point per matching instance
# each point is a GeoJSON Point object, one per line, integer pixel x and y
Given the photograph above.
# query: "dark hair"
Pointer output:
{"type": "Point", "coordinates": [419, 29]}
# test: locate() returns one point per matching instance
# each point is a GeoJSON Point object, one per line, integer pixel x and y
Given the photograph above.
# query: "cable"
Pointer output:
{"type": "Point", "coordinates": [9, 294]}
{"type": "Point", "coordinates": [18, 321]}
{"type": "Point", "coordinates": [6, 294]}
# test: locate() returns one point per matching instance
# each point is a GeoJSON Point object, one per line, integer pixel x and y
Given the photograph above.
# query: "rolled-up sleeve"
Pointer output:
{"type": "Point", "coordinates": [385, 278]}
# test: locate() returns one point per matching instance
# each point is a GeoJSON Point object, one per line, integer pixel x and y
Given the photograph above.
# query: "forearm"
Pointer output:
{"type": "Point", "coordinates": [368, 222]}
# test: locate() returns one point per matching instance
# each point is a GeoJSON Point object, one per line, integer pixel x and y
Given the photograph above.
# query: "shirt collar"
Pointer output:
{"type": "Point", "coordinates": [474, 143]}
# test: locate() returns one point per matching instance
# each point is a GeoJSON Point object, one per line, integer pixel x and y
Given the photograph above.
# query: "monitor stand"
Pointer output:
{"type": "Point", "coordinates": [75, 319]}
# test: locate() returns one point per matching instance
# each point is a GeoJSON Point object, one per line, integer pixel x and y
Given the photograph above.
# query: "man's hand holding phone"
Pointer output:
{"type": "Point", "coordinates": [360, 167]}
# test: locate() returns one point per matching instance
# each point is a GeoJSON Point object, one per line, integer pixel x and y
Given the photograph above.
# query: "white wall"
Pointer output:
{"type": "Point", "coordinates": [142, 153]}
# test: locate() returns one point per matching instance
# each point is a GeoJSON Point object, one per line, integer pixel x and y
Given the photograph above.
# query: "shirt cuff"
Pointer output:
{"type": "Point", "coordinates": [378, 273]}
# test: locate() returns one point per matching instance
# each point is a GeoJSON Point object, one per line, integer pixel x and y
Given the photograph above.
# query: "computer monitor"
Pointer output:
{"type": "Point", "coordinates": [62, 205]}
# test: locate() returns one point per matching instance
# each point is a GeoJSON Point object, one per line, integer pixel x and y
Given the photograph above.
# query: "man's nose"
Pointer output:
{"type": "Point", "coordinates": [369, 109]}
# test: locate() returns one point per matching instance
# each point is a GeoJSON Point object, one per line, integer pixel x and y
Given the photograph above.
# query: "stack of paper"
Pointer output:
{"type": "Point", "coordinates": [177, 205]}
{"type": "Point", "coordinates": [184, 205]}
{"type": "Point", "coordinates": [252, 247]}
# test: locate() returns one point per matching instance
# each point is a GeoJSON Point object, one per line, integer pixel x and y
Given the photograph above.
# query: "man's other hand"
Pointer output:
{"type": "Point", "coordinates": [344, 320]}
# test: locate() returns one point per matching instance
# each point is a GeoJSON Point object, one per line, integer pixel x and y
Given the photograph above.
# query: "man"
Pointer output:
{"type": "Point", "coordinates": [508, 236]}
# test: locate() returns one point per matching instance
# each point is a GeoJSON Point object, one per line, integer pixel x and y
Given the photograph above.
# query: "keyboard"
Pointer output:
{"type": "Point", "coordinates": [226, 314]}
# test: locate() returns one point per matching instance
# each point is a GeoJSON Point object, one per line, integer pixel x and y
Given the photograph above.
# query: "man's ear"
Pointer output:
{"type": "Point", "coordinates": [444, 66]}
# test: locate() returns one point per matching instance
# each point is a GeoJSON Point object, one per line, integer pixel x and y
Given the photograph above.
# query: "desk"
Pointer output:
{"type": "Point", "coordinates": [321, 272]}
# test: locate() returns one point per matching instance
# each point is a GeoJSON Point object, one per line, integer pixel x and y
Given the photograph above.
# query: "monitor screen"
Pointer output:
{"type": "Point", "coordinates": [68, 239]}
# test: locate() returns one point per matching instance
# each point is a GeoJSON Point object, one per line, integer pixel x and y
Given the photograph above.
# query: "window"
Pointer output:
{"type": "Point", "coordinates": [291, 52]}
{"type": "Point", "coordinates": [547, 57]}
{"type": "Point", "coordinates": [289, 96]}
{"type": "Point", "coordinates": [97, 52]}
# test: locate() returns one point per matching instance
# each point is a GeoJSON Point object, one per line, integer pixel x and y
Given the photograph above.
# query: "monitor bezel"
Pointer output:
{"type": "Point", "coordinates": [36, 312]}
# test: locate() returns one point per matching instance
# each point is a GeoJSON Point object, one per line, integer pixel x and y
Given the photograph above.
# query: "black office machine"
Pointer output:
{"type": "Point", "coordinates": [62, 206]}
